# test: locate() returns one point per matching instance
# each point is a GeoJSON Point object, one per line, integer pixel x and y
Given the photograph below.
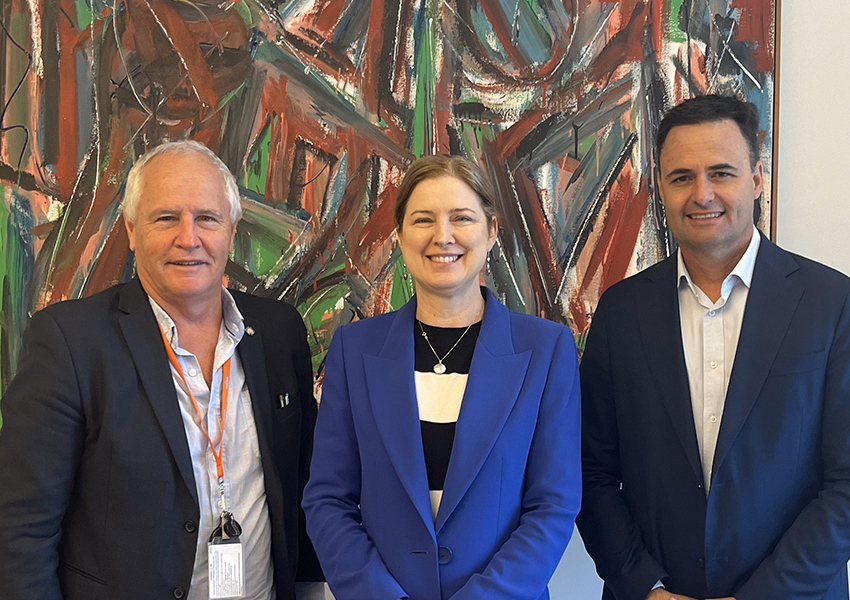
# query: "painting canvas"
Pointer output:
{"type": "Point", "coordinates": [319, 106]}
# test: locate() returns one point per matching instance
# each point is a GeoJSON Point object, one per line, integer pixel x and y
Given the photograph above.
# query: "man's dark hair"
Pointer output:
{"type": "Point", "coordinates": [711, 108]}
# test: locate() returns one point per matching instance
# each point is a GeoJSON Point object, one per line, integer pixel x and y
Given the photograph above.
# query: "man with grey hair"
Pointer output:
{"type": "Point", "coordinates": [157, 436]}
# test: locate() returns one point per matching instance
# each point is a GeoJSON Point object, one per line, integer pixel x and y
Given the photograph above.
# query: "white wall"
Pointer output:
{"type": "Point", "coordinates": [813, 197]}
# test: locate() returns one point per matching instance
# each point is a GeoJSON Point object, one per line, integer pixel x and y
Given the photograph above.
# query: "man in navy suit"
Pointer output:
{"type": "Point", "coordinates": [716, 394]}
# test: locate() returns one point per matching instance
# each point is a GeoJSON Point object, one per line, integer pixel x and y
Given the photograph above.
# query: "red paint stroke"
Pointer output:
{"type": "Point", "coordinates": [186, 46]}
{"type": "Point", "coordinates": [756, 24]}
{"type": "Point", "coordinates": [109, 268]}
{"type": "Point", "coordinates": [502, 28]}
{"type": "Point", "coordinates": [67, 154]}
{"type": "Point", "coordinates": [624, 47]}
{"type": "Point", "coordinates": [77, 235]}
{"type": "Point", "coordinates": [613, 251]}
{"type": "Point", "coordinates": [547, 270]}
{"type": "Point", "coordinates": [370, 83]}
{"type": "Point", "coordinates": [380, 225]}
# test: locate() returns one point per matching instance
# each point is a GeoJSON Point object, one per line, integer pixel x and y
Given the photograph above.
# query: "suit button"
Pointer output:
{"type": "Point", "coordinates": [700, 562]}
{"type": "Point", "coordinates": [179, 593]}
{"type": "Point", "coordinates": [444, 555]}
{"type": "Point", "coordinates": [190, 527]}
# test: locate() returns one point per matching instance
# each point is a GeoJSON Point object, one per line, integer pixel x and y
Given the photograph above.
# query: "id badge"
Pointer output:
{"type": "Point", "coordinates": [226, 569]}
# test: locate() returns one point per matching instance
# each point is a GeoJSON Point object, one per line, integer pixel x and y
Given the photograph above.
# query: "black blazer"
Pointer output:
{"type": "Point", "coordinates": [776, 525]}
{"type": "Point", "coordinates": [97, 494]}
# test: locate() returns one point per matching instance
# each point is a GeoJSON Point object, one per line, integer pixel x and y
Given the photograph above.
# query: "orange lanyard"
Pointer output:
{"type": "Point", "coordinates": [225, 388]}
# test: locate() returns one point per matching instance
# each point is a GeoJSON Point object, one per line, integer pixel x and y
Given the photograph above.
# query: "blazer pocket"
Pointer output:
{"type": "Point", "coordinates": [71, 569]}
{"type": "Point", "coordinates": [286, 405]}
{"type": "Point", "coordinates": [787, 364]}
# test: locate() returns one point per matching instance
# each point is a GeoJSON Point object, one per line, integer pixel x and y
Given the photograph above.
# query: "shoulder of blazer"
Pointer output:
{"type": "Point", "coordinates": [85, 319]}
{"type": "Point", "coordinates": [367, 335]}
{"type": "Point", "coordinates": [532, 332]}
{"type": "Point", "coordinates": [810, 272]}
{"type": "Point", "coordinates": [264, 308]}
{"type": "Point", "coordinates": [660, 278]}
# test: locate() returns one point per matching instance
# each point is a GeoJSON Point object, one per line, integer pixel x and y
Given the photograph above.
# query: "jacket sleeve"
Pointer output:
{"type": "Point", "coordinates": [351, 562]}
{"type": "Point", "coordinates": [524, 564]}
{"type": "Point", "coordinates": [611, 536]}
{"type": "Point", "coordinates": [40, 447]}
{"type": "Point", "coordinates": [815, 549]}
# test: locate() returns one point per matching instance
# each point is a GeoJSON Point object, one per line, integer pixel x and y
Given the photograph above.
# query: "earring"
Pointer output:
{"type": "Point", "coordinates": [404, 271]}
{"type": "Point", "coordinates": [488, 263]}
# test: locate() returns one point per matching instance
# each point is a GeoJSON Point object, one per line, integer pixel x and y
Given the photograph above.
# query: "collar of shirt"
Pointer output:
{"type": "Point", "coordinates": [230, 334]}
{"type": "Point", "coordinates": [742, 272]}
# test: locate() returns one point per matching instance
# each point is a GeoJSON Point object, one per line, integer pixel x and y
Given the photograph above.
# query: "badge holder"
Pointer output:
{"type": "Point", "coordinates": [226, 560]}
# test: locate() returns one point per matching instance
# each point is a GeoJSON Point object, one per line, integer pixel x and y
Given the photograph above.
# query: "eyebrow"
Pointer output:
{"type": "Point", "coordinates": [177, 211]}
{"type": "Point", "coordinates": [431, 212]}
{"type": "Point", "coordinates": [717, 167]}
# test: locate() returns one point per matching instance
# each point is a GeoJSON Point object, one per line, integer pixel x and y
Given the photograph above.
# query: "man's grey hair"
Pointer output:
{"type": "Point", "coordinates": [133, 188]}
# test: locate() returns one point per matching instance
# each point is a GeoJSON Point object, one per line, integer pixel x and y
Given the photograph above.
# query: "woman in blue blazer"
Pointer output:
{"type": "Point", "coordinates": [447, 457]}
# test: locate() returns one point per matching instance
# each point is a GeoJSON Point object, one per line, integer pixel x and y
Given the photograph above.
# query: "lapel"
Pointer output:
{"type": "Point", "coordinates": [661, 330]}
{"type": "Point", "coordinates": [495, 379]}
{"type": "Point", "coordinates": [253, 360]}
{"type": "Point", "coordinates": [389, 378]}
{"type": "Point", "coordinates": [771, 303]}
{"type": "Point", "coordinates": [252, 357]}
{"type": "Point", "coordinates": [141, 332]}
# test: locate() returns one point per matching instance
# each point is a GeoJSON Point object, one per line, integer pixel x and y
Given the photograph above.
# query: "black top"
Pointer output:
{"type": "Point", "coordinates": [438, 437]}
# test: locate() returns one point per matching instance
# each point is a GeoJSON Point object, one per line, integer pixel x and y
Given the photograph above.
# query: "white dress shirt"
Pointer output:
{"type": "Point", "coordinates": [245, 493]}
{"type": "Point", "coordinates": [710, 332]}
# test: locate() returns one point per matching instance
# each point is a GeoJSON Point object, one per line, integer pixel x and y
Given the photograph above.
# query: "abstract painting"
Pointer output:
{"type": "Point", "coordinates": [319, 106]}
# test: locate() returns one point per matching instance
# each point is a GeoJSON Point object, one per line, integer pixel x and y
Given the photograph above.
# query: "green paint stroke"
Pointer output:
{"type": "Point", "coordinates": [314, 310]}
{"type": "Point", "coordinates": [85, 14]}
{"type": "Point", "coordinates": [13, 316]}
{"type": "Point", "coordinates": [674, 32]}
{"type": "Point", "coordinates": [245, 13]}
{"type": "Point", "coordinates": [257, 165]}
{"type": "Point", "coordinates": [402, 288]}
{"type": "Point", "coordinates": [426, 83]}
{"type": "Point", "coordinates": [265, 254]}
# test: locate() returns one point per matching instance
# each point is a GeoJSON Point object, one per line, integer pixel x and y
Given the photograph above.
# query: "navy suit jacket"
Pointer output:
{"type": "Point", "coordinates": [513, 484]}
{"type": "Point", "coordinates": [776, 524]}
{"type": "Point", "coordinates": [97, 493]}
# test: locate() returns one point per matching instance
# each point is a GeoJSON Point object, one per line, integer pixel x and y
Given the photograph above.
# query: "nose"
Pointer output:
{"type": "Point", "coordinates": [444, 233]}
{"type": "Point", "coordinates": [703, 191]}
{"type": "Point", "coordinates": [187, 234]}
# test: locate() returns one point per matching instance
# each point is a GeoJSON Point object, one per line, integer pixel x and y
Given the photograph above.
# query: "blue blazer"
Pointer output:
{"type": "Point", "coordinates": [776, 524]}
{"type": "Point", "coordinates": [513, 485]}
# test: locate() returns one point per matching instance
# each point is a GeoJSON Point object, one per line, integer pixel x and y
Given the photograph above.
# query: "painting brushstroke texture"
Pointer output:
{"type": "Point", "coordinates": [319, 106]}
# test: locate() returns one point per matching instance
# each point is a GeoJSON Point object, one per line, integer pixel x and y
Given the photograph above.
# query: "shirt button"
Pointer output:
{"type": "Point", "coordinates": [192, 372]}
{"type": "Point", "coordinates": [713, 364]}
{"type": "Point", "coordinates": [713, 419]}
{"type": "Point", "coordinates": [711, 313]}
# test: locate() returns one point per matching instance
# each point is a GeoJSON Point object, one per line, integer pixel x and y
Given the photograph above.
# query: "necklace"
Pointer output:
{"type": "Point", "coordinates": [440, 368]}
